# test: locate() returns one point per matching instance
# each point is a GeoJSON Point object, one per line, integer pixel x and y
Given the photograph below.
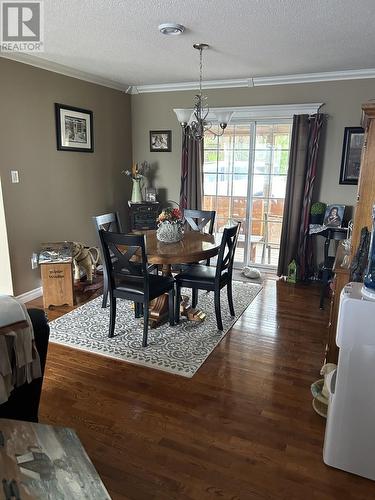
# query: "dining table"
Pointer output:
{"type": "Point", "coordinates": [192, 248]}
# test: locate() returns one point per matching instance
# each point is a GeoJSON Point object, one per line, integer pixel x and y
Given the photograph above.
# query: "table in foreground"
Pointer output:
{"type": "Point", "coordinates": [42, 462]}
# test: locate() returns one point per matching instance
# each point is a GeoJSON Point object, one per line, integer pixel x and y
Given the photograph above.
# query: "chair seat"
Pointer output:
{"type": "Point", "coordinates": [200, 275]}
{"type": "Point", "coordinates": [134, 285]}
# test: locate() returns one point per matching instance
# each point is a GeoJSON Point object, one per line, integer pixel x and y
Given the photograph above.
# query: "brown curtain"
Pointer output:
{"type": "Point", "coordinates": [300, 182]}
{"type": "Point", "coordinates": [191, 191]}
{"type": "Point", "coordinates": [294, 193]}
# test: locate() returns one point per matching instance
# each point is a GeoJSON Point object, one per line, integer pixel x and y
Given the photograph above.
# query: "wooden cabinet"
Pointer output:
{"type": "Point", "coordinates": [340, 279]}
{"type": "Point", "coordinates": [362, 217]}
{"type": "Point", "coordinates": [142, 216]}
{"type": "Point", "coordinates": [57, 280]}
{"type": "Point", "coordinates": [366, 184]}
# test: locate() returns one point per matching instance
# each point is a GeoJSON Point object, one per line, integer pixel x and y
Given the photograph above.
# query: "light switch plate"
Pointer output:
{"type": "Point", "coordinates": [14, 176]}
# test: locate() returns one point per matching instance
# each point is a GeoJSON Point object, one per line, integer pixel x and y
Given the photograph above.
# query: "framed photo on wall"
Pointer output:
{"type": "Point", "coordinates": [351, 155]}
{"type": "Point", "coordinates": [74, 129]}
{"type": "Point", "coordinates": [161, 141]}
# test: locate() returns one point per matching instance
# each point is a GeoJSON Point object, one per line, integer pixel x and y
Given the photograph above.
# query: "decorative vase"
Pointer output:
{"type": "Point", "coordinates": [369, 280]}
{"type": "Point", "coordinates": [136, 191]}
{"type": "Point", "coordinates": [170, 232]}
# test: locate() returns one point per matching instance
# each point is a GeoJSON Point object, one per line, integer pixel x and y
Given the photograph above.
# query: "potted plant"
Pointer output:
{"type": "Point", "coordinates": [170, 226]}
{"type": "Point", "coordinates": [317, 212]}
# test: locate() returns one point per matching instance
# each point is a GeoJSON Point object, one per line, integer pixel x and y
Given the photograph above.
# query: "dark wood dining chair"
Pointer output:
{"type": "Point", "coordinates": [200, 220]}
{"type": "Point", "coordinates": [107, 222]}
{"type": "Point", "coordinates": [201, 277]}
{"type": "Point", "coordinates": [111, 222]}
{"type": "Point", "coordinates": [129, 279]}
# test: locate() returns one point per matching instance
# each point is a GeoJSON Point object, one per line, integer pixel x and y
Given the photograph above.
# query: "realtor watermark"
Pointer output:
{"type": "Point", "coordinates": [22, 26]}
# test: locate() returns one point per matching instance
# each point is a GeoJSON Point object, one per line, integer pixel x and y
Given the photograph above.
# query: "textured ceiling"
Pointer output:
{"type": "Point", "coordinates": [119, 39]}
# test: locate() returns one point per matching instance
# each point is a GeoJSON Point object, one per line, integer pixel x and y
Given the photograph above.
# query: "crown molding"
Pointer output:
{"type": "Point", "coordinates": [175, 87]}
{"type": "Point", "coordinates": [38, 62]}
{"type": "Point", "coordinates": [329, 76]}
{"type": "Point", "coordinates": [358, 74]}
{"type": "Point", "coordinates": [282, 111]}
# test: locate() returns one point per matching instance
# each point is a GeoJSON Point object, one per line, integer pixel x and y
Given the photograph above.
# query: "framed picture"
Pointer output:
{"type": "Point", "coordinates": [334, 215]}
{"type": "Point", "coordinates": [161, 141]}
{"type": "Point", "coordinates": [150, 194]}
{"type": "Point", "coordinates": [74, 129]}
{"type": "Point", "coordinates": [351, 155]}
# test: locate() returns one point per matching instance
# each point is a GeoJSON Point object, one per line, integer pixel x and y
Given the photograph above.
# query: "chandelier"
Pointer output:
{"type": "Point", "coordinates": [197, 120]}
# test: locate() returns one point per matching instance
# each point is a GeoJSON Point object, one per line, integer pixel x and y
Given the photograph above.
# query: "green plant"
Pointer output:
{"type": "Point", "coordinates": [318, 208]}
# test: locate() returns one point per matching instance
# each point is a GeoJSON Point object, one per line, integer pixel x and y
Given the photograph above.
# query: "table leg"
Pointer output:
{"type": "Point", "coordinates": [159, 306]}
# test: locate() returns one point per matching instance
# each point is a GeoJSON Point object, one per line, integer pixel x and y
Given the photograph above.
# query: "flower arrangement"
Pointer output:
{"type": "Point", "coordinates": [171, 215]}
{"type": "Point", "coordinates": [170, 226]}
{"type": "Point", "coordinates": [138, 171]}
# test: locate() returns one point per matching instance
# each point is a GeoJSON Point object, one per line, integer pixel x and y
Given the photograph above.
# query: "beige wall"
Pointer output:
{"type": "Point", "coordinates": [6, 285]}
{"type": "Point", "coordinates": [59, 191]}
{"type": "Point", "coordinates": [342, 104]}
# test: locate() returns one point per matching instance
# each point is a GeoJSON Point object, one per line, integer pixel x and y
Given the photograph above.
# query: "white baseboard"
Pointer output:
{"type": "Point", "coordinates": [31, 295]}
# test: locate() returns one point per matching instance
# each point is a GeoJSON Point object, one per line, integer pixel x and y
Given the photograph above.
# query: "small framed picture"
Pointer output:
{"type": "Point", "coordinates": [351, 155]}
{"type": "Point", "coordinates": [334, 215]}
{"type": "Point", "coordinates": [74, 129]}
{"type": "Point", "coordinates": [150, 194]}
{"type": "Point", "coordinates": [161, 141]}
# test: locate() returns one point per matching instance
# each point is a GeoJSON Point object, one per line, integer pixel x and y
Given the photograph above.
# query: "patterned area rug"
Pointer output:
{"type": "Point", "coordinates": [181, 349]}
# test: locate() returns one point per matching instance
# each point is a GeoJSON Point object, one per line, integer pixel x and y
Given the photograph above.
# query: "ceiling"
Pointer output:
{"type": "Point", "coordinates": [119, 40]}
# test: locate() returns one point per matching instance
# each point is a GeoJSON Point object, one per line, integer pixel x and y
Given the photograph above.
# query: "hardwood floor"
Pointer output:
{"type": "Point", "coordinates": [242, 428]}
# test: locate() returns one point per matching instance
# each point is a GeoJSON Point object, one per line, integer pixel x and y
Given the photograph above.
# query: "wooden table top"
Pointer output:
{"type": "Point", "coordinates": [193, 247]}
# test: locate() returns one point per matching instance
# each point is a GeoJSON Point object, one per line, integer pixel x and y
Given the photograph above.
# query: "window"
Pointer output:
{"type": "Point", "coordinates": [245, 173]}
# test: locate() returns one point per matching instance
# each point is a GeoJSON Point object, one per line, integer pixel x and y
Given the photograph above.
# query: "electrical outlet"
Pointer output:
{"type": "Point", "coordinates": [14, 176]}
{"type": "Point", "coordinates": [34, 261]}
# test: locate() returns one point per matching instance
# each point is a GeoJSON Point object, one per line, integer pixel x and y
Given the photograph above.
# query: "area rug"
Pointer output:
{"type": "Point", "coordinates": [181, 349]}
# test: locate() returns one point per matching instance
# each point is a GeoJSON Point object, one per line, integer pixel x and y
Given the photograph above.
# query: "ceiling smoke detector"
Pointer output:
{"type": "Point", "coordinates": [171, 29]}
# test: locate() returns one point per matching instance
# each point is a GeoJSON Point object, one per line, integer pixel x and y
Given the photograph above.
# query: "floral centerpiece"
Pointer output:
{"type": "Point", "coordinates": [170, 226]}
{"type": "Point", "coordinates": [137, 173]}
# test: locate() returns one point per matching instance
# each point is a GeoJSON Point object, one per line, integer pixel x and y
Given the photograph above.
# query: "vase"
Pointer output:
{"type": "Point", "coordinates": [136, 191]}
{"type": "Point", "coordinates": [170, 232]}
{"type": "Point", "coordinates": [369, 280]}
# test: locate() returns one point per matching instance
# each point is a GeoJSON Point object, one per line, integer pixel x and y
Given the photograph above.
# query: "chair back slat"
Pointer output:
{"type": "Point", "coordinates": [124, 256]}
{"type": "Point", "coordinates": [108, 222]}
{"type": "Point", "coordinates": [227, 249]}
{"type": "Point", "coordinates": [198, 220]}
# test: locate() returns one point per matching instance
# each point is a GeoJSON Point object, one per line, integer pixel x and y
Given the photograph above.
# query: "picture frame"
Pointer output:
{"type": "Point", "coordinates": [334, 215]}
{"type": "Point", "coordinates": [150, 194]}
{"type": "Point", "coordinates": [351, 155]}
{"type": "Point", "coordinates": [74, 129]}
{"type": "Point", "coordinates": [160, 141]}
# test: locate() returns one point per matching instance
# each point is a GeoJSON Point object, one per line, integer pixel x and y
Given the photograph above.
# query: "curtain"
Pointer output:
{"type": "Point", "coordinates": [294, 243]}
{"type": "Point", "coordinates": [191, 191]}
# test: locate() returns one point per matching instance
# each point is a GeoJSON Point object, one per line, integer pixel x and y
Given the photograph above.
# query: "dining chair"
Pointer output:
{"type": "Point", "coordinates": [129, 279]}
{"type": "Point", "coordinates": [110, 222]}
{"type": "Point", "coordinates": [198, 221]}
{"type": "Point", "coordinates": [201, 277]}
{"type": "Point", "coordinates": [107, 222]}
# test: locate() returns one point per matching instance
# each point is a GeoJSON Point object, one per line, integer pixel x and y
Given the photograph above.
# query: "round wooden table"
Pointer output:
{"type": "Point", "coordinates": [194, 247]}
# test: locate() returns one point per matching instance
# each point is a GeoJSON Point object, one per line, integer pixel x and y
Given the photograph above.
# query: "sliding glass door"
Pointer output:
{"type": "Point", "coordinates": [245, 179]}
